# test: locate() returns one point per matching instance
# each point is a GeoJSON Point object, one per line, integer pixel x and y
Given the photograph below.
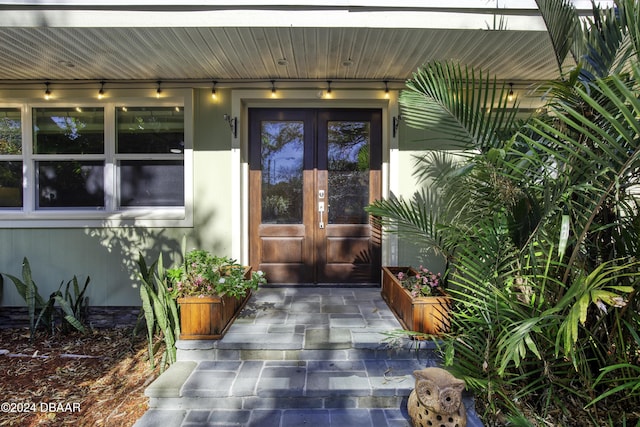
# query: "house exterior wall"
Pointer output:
{"type": "Point", "coordinates": [415, 143]}
{"type": "Point", "coordinates": [108, 254]}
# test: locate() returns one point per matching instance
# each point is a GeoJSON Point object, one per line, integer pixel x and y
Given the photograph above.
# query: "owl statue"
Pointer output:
{"type": "Point", "coordinates": [437, 400]}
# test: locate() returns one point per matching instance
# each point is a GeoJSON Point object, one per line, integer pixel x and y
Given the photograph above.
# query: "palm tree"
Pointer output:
{"type": "Point", "coordinates": [539, 224]}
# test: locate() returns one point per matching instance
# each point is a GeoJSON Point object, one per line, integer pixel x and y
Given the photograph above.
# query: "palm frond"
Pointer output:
{"type": "Point", "coordinates": [563, 28]}
{"type": "Point", "coordinates": [469, 111]}
{"type": "Point", "coordinates": [416, 218]}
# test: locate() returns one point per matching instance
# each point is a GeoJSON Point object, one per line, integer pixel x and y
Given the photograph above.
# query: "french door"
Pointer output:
{"type": "Point", "coordinates": [312, 172]}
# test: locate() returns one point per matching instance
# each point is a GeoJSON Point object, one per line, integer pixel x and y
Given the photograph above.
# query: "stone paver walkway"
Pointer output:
{"type": "Point", "coordinates": [294, 357]}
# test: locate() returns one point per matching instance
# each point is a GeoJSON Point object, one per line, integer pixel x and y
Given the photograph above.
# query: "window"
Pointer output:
{"type": "Point", "coordinates": [10, 158]}
{"type": "Point", "coordinates": [107, 163]}
{"type": "Point", "coordinates": [61, 133]}
{"type": "Point", "coordinates": [157, 133]}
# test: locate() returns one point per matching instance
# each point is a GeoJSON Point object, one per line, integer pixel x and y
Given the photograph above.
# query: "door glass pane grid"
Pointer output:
{"type": "Point", "coordinates": [348, 166]}
{"type": "Point", "coordinates": [282, 151]}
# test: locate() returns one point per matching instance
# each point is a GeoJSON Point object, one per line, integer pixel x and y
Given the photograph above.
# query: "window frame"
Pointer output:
{"type": "Point", "coordinates": [30, 216]}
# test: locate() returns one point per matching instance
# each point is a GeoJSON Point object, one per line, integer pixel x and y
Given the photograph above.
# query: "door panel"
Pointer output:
{"type": "Point", "coordinates": [312, 172]}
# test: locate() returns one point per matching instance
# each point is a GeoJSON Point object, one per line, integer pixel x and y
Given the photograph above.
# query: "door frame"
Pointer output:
{"type": "Point", "coordinates": [338, 251]}
{"type": "Point", "coordinates": [242, 100]}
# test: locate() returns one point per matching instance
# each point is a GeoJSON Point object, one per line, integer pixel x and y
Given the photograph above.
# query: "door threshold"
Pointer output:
{"type": "Point", "coordinates": [321, 285]}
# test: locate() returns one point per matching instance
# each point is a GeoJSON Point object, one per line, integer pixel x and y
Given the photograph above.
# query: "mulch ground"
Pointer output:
{"type": "Point", "coordinates": [94, 379]}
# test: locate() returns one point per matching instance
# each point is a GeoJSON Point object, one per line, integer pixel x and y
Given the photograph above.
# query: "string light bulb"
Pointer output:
{"type": "Point", "coordinates": [47, 92]}
{"type": "Point", "coordinates": [213, 90]}
{"type": "Point", "coordinates": [386, 89]}
{"type": "Point", "coordinates": [159, 91]}
{"type": "Point", "coordinates": [273, 88]}
{"type": "Point", "coordinates": [510, 96]}
{"type": "Point", "coordinates": [101, 91]}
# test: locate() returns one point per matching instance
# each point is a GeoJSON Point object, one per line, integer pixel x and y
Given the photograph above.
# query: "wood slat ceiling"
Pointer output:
{"type": "Point", "coordinates": [222, 53]}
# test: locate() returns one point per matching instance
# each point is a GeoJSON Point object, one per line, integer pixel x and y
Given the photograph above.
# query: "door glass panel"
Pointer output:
{"type": "Point", "coordinates": [282, 163]}
{"type": "Point", "coordinates": [348, 166]}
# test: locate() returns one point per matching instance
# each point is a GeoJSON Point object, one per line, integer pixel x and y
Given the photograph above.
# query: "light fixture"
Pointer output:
{"type": "Point", "coordinates": [47, 92]}
{"type": "Point", "coordinates": [396, 124]}
{"type": "Point", "coordinates": [328, 93]}
{"type": "Point", "coordinates": [510, 96]}
{"type": "Point", "coordinates": [233, 124]}
{"type": "Point", "coordinates": [386, 89]}
{"type": "Point", "coordinates": [213, 90]}
{"type": "Point", "coordinates": [101, 91]}
{"type": "Point", "coordinates": [159, 91]}
{"type": "Point", "coordinates": [273, 88]}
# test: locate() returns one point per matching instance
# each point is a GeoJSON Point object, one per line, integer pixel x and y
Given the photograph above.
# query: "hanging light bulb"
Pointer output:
{"type": "Point", "coordinates": [510, 96]}
{"type": "Point", "coordinates": [47, 92]}
{"type": "Point", "coordinates": [273, 88]}
{"type": "Point", "coordinates": [386, 89]}
{"type": "Point", "coordinates": [213, 90]}
{"type": "Point", "coordinates": [159, 91]}
{"type": "Point", "coordinates": [328, 93]}
{"type": "Point", "coordinates": [101, 91]}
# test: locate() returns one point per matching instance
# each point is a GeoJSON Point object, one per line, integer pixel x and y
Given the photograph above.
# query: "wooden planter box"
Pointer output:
{"type": "Point", "coordinates": [429, 315]}
{"type": "Point", "coordinates": [208, 318]}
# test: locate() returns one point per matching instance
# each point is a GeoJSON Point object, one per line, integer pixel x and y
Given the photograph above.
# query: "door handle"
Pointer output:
{"type": "Point", "coordinates": [321, 212]}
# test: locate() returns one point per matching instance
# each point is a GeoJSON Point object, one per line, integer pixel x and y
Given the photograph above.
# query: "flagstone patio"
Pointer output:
{"type": "Point", "coordinates": [295, 356]}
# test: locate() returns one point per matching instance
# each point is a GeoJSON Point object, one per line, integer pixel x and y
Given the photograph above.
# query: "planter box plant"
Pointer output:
{"type": "Point", "coordinates": [210, 291]}
{"type": "Point", "coordinates": [426, 314]}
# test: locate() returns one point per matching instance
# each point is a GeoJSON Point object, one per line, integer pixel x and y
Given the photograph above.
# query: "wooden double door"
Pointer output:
{"type": "Point", "coordinates": [312, 173]}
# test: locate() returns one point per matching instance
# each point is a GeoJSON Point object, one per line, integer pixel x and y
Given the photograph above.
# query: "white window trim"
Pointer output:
{"type": "Point", "coordinates": [30, 217]}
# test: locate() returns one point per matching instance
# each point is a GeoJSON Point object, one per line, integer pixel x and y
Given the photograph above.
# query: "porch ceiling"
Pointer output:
{"type": "Point", "coordinates": [78, 41]}
{"type": "Point", "coordinates": [254, 53]}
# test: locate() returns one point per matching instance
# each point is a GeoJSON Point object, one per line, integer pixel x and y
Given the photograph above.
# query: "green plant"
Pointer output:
{"type": "Point", "coordinates": [39, 311]}
{"type": "Point", "coordinates": [203, 274]}
{"type": "Point", "coordinates": [73, 306]}
{"type": "Point", "coordinates": [540, 226]}
{"type": "Point", "coordinates": [159, 309]}
{"type": "Point", "coordinates": [422, 283]}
